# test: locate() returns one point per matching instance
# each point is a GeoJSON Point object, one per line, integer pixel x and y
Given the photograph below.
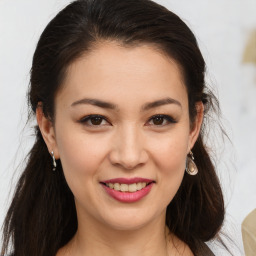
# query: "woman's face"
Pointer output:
{"type": "Point", "coordinates": [122, 123]}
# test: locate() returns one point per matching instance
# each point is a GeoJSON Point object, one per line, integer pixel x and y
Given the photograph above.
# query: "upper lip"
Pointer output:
{"type": "Point", "coordinates": [127, 180]}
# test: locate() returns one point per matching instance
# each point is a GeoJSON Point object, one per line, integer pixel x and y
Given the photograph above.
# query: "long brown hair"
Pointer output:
{"type": "Point", "coordinates": [42, 216]}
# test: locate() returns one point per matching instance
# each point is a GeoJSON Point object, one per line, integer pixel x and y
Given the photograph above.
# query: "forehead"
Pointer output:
{"type": "Point", "coordinates": [112, 71]}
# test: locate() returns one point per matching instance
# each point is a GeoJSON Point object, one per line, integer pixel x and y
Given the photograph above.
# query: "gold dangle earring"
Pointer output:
{"type": "Point", "coordinates": [191, 167]}
{"type": "Point", "coordinates": [53, 162]}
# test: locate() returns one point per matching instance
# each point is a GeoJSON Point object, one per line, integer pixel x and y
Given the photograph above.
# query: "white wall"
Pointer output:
{"type": "Point", "coordinates": [222, 28]}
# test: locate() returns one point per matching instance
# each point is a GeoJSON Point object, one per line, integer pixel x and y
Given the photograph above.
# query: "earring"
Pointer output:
{"type": "Point", "coordinates": [191, 167]}
{"type": "Point", "coordinates": [53, 162]}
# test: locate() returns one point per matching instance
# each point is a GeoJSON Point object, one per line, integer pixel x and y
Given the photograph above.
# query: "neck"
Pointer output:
{"type": "Point", "coordinates": [93, 239]}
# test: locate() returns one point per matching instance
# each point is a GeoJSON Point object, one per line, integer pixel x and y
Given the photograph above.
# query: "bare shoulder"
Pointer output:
{"type": "Point", "coordinates": [177, 247]}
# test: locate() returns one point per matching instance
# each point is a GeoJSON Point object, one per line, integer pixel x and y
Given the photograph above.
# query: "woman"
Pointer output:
{"type": "Point", "coordinates": [119, 165]}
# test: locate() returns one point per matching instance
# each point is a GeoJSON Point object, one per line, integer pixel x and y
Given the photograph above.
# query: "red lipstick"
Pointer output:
{"type": "Point", "coordinates": [127, 180]}
{"type": "Point", "coordinates": [128, 197]}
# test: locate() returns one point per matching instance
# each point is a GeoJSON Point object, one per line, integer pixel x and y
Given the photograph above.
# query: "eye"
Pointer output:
{"type": "Point", "coordinates": [161, 120]}
{"type": "Point", "coordinates": [94, 120]}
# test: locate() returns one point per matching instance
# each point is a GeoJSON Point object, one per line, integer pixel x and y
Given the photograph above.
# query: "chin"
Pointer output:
{"type": "Point", "coordinates": [128, 220]}
{"type": "Point", "coordinates": [127, 226]}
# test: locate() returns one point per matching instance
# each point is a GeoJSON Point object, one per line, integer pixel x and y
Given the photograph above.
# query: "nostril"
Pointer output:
{"type": "Point", "coordinates": [128, 157]}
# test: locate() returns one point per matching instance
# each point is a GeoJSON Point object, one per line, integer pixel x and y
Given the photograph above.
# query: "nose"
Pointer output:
{"type": "Point", "coordinates": [128, 148]}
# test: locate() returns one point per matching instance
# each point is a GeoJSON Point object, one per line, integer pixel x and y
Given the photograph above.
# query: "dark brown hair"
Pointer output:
{"type": "Point", "coordinates": [42, 216]}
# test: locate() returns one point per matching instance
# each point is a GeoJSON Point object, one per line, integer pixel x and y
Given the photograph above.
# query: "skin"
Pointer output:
{"type": "Point", "coordinates": [127, 143]}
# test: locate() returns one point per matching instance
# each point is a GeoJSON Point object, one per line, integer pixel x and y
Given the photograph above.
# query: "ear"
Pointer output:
{"type": "Point", "coordinates": [195, 130]}
{"type": "Point", "coordinates": [47, 130]}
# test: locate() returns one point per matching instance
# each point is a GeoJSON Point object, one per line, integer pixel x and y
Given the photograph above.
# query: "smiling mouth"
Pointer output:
{"type": "Point", "coordinates": [128, 188]}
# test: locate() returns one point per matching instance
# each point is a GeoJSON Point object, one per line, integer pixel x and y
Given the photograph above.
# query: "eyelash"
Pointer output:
{"type": "Point", "coordinates": [167, 118]}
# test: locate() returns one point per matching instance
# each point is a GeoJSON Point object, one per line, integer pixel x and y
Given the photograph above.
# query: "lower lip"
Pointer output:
{"type": "Point", "coordinates": [128, 197]}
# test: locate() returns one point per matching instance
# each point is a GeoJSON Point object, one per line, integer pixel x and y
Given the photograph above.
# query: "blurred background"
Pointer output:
{"type": "Point", "coordinates": [226, 33]}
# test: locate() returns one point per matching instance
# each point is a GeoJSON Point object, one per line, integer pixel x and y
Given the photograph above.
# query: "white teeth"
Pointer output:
{"type": "Point", "coordinates": [116, 186]}
{"type": "Point", "coordinates": [125, 187]}
{"type": "Point", "coordinates": [139, 186]}
{"type": "Point", "coordinates": [132, 187]}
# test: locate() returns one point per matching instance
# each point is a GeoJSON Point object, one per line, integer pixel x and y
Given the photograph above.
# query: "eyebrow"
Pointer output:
{"type": "Point", "coordinates": [108, 105]}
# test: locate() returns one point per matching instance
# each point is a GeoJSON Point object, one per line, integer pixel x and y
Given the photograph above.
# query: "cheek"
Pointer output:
{"type": "Point", "coordinates": [170, 151]}
{"type": "Point", "coordinates": [172, 163]}
{"type": "Point", "coordinates": [170, 157]}
{"type": "Point", "coordinates": [80, 156]}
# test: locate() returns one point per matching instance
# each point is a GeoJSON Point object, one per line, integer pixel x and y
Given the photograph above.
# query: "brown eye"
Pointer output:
{"type": "Point", "coordinates": [158, 120]}
{"type": "Point", "coordinates": [94, 120]}
{"type": "Point", "coordinates": [161, 120]}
